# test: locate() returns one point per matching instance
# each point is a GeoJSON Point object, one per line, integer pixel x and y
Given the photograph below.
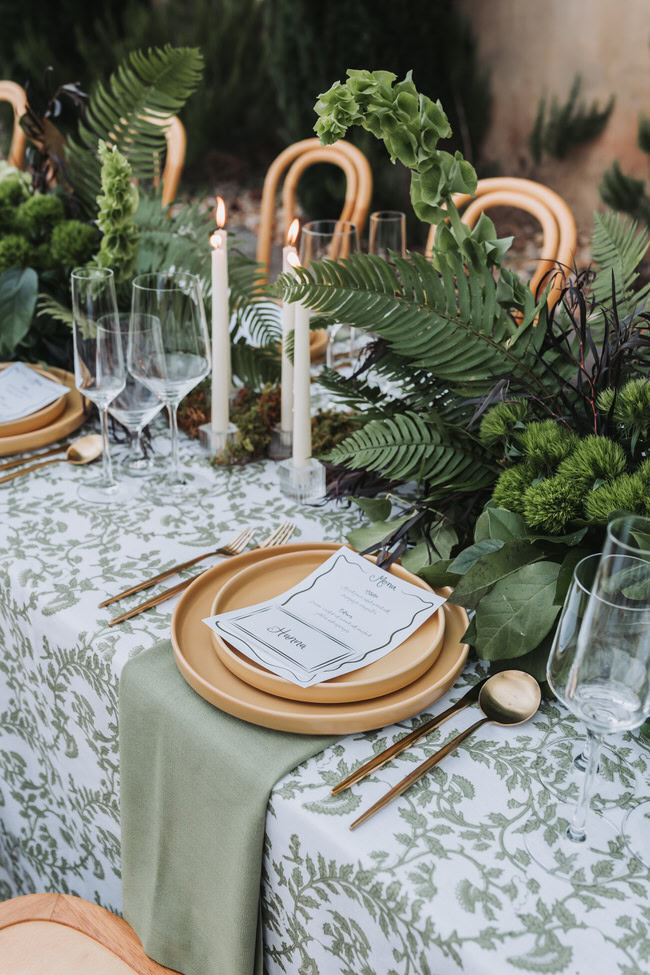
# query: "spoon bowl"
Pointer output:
{"type": "Point", "coordinates": [85, 449]}
{"type": "Point", "coordinates": [510, 698]}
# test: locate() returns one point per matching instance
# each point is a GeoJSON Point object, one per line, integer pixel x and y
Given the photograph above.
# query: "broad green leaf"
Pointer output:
{"type": "Point", "coordinates": [416, 558]}
{"type": "Point", "coordinates": [437, 574]}
{"type": "Point", "coordinates": [534, 662]}
{"type": "Point", "coordinates": [362, 538]}
{"type": "Point", "coordinates": [518, 612]}
{"type": "Point", "coordinates": [18, 292]}
{"type": "Point", "coordinates": [444, 537]}
{"type": "Point", "coordinates": [469, 636]}
{"type": "Point", "coordinates": [565, 574]}
{"type": "Point", "coordinates": [573, 538]}
{"type": "Point", "coordinates": [500, 523]}
{"type": "Point", "coordinates": [469, 556]}
{"type": "Point", "coordinates": [492, 568]}
{"type": "Point", "coordinates": [377, 509]}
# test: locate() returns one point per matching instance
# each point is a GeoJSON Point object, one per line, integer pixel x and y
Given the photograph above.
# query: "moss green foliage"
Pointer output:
{"type": "Point", "coordinates": [38, 216]}
{"type": "Point", "coordinates": [14, 252]}
{"type": "Point", "coordinates": [551, 504]}
{"type": "Point", "coordinates": [73, 243]}
{"type": "Point", "coordinates": [12, 193]}
{"type": "Point", "coordinates": [502, 421]}
{"type": "Point", "coordinates": [509, 489]}
{"type": "Point", "coordinates": [566, 125]}
{"type": "Point", "coordinates": [545, 444]}
{"type": "Point", "coordinates": [594, 459]}
{"type": "Point", "coordinates": [117, 204]}
{"type": "Point", "coordinates": [625, 493]}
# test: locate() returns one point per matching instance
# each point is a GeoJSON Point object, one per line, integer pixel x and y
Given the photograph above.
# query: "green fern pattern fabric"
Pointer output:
{"type": "Point", "coordinates": [440, 882]}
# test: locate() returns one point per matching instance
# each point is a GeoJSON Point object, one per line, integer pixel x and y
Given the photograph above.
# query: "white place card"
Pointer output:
{"type": "Point", "coordinates": [24, 391]}
{"type": "Point", "coordinates": [343, 616]}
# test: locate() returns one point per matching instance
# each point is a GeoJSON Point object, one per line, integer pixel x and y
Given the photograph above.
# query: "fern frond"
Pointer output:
{"type": "Point", "coordinates": [130, 112]}
{"type": "Point", "coordinates": [255, 365]}
{"type": "Point", "coordinates": [442, 321]}
{"type": "Point", "coordinates": [406, 447]}
{"type": "Point", "coordinates": [49, 306]}
{"type": "Point", "coordinates": [618, 246]}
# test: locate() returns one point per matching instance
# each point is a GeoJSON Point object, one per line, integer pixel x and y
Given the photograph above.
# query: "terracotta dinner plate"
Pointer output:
{"type": "Point", "coordinates": [205, 673]}
{"type": "Point", "coordinates": [40, 418]}
{"type": "Point", "coordinates": [70, 419]}
{"type": "Point", "coordinates": [265, 580]}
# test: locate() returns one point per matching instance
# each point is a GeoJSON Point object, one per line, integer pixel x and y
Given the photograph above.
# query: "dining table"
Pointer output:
{"type": "Point", "coordinates": [441, 881]}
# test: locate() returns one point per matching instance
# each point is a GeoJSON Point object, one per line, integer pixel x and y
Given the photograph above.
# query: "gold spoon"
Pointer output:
{"type": "Point", "coordinates": [81, 451]}
{"type": "Point", "coordinates": [507, 699]}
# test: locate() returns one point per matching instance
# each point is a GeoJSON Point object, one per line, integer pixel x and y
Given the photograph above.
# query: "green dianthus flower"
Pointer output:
{"type": "Point", "coordinates": [73, 242]}
{"type": "Point", "coordinates": [625, 493]}
{"type": "Point", "coordinates": [594, 459]}
{"type": "Point", "coordinates": [14, 252]}
{"type": "Point", "coordinates": [545, 444]}
{"type": "Point", "coordinates": [38, 216]}
{"type": "Point", "coordinates": [501, 421]}
{"type": "Point", "coordinates": [509, 489]}
{"type": "Point", "coordinates": [551, 504]}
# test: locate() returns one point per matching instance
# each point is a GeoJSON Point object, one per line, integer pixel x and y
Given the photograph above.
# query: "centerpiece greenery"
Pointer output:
{"type": "Point", "coordinates": [519, 427]}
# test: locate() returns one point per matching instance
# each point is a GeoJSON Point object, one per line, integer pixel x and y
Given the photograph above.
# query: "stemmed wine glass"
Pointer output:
{"type": "Point", "coordinates": [552, 773]}
{"type": "Point", "coordinates": [387, 233]}
{"type": "Point", "coordinates": [605, 681]}
{"type": "Point", "coordinates": [169, 346]}
{"type": "Point", "coordinates": [134, 408]}
{"type": "Point", "coordinates": [333, 239]}
{"type": "Point", "coordinates": [99, 367]}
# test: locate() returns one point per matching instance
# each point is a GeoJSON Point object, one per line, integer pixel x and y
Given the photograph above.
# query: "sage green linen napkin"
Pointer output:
{"type": "Point", "coordinates": [195, 784]}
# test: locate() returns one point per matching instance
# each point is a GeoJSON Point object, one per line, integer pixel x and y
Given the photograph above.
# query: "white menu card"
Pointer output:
{"type": "Point", "coordinates": [343, 616]}
{"type": "Point", "coordinates": [24, 391]}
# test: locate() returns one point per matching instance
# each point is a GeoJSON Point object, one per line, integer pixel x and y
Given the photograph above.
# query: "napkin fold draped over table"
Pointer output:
{"type": "Point", "coordinates": [195, 784]}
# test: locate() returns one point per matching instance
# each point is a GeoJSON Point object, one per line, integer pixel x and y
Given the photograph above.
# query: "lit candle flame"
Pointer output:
{"type": "Point", "coordinates": [294, 230]}
{"type": "Point", "coordinates": [293, 259]}
{"type": "Point", "coordinates": [216, 240]}
{"type": "Point", "coordinates": [220, 212]}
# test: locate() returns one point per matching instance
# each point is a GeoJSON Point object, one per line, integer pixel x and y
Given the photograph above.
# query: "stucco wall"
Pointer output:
{"type": "Point", "coordinates": [532, 46]}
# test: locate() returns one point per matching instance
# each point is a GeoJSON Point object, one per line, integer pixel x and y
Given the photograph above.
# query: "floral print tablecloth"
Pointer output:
{"type": "Point", "coordinates": [440, 882]}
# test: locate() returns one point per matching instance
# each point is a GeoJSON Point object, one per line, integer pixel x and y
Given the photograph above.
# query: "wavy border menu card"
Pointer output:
{"type": "Point", "coordinates": [343, 616]}
{"type": "Point", "coordinates": [23, 391]}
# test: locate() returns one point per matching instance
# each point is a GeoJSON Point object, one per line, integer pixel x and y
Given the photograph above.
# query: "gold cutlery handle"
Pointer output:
{"type": "Point", "coordinates": [421, 732]}
{"type": "Point", "coordinates": [27, 460]}
{"type": "Point", "coordinates": [417, 773]}
{"type": "Point", "coordinates": [28, 470]}
{"type": "Point", "coordinates": [154, 600]}
{"type": "Point", "coordinates": [161, 576]}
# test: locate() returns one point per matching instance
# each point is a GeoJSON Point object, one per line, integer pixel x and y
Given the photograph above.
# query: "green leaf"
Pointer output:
{"type": "Point", "coordinates": [362, 538]}
{"type": "Point", "coordinates": [443, 537]}
{"type": "Point", "coordinates": [517, 612]}
{"type": "Point", "coordinates": [573, 538]}
{"type": "Point", "coordinates": [645, 730]}
{"type": "Point", "coordinates": [565, 574]}
{"type": "Point", "coordinates": [18, 292]}
{"type": "Point", "coordinates": [492, 568]}
{"type": "Point", "coordinates": [377, 509]}
{"type": "Point", "coordinates": [500, 523]}
{"type": "Point", "coordinates": [438, 575]}
{"type": "Point", "coordinates": [416, 558]}
{"type": "Point", "coordinates": [533, 663]}
{"type": "Point", "coordinates": [469, 556]}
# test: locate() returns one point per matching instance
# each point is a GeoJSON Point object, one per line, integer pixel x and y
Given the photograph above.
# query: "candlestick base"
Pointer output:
{"type": "Point", "coordinates": [305, 483]}
{"type": "Point", "coordinates": [215, 442]}
{"type": "Point", "coordinates": [281, 444]}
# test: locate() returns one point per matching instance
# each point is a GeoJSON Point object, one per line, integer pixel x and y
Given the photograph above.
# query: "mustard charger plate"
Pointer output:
{"type": "Point", "coordinates": [264, 580]}
{"type": "Point", "coordinates": [71, 418]}
{"type": "Point", "coordinates": [210, 678]}
{"type": "Point", "coordinates": [39, 418]}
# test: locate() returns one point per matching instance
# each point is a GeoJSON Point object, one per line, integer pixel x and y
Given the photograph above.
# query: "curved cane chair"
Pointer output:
{"type": "Point", "coordinates": [17, 98]}
{"type": "Point", "coordinates": [557, 222]}
{"type": "Point", "coordinates": [295, 159]}
{"type": "Point", "coordinates": [174, 159]}
{"type": "Point", "coordinates": [64, 935]}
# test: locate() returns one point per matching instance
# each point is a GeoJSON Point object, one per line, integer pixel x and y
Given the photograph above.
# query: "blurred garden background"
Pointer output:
{"type": "Point", "coordinates": [553, 91]}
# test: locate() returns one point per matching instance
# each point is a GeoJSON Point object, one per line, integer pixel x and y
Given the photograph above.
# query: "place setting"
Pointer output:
{"type": "Point", "coordinates": [325, 532]}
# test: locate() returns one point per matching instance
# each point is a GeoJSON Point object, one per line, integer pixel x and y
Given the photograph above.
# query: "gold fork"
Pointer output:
{"type": "Point", "coordinates": [234, 547]}
{"type": "Point", "coordinates": [278, 536]}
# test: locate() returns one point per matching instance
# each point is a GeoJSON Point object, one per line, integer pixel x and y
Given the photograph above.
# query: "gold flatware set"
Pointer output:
{"type": "Point", "coordinates": [279, 536]}
{"type": "Point", "coordinates": [81, 451]}
{"type": "Point", "coordinates": [507, 699]}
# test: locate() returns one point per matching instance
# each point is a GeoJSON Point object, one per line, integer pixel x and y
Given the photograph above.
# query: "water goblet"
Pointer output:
{"type": "Point", "coordinates": [99, 366]}
{"type": "Point", "coordinates": [605, 681]}
{"type": "Point", "coordinates": [334, 240]}
{"type": "Point", "coordinates": [135, 407]}
{"type": "Point", "coordinates": [387, 234]}
{"type": "Point", "coordinates": [169, 346]}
